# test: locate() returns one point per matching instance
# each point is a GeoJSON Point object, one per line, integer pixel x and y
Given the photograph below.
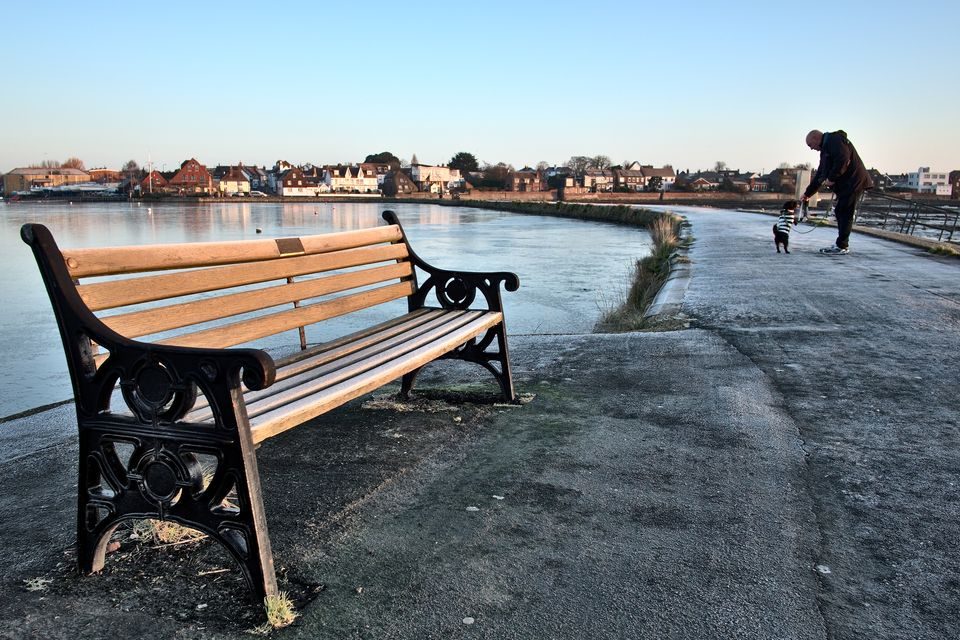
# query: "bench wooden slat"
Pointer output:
{"type": "Point", "coordinates": [267, 325]}
{"type": "Point", "coordinates": [300, 410]}
{"type": "Point", "coordinates": [98, 261]}
{"type": "Point", "coordinates": [368, 351]}
{"type": "Point", "coordinates": [119, 293]}
{"type": "Point", "coordinates": [389, 328]}
{"type": "Point", "coordinates": [166, 318]}
{"type": "Point", "coordinates": [348, 365]}
{"type": "Point", "coordinates": [333, 351]}
{"type": "Point", "coordinates": [304, 360]}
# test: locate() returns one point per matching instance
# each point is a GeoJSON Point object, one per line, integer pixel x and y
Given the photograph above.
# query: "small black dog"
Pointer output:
{"type": "Point", "coordinates": [781, 230]}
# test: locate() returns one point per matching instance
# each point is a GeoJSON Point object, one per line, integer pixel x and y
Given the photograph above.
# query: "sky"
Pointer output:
{"type": "Point", "coordinates": [686, 83]}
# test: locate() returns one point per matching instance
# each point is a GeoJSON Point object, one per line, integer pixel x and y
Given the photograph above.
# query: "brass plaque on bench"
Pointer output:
{"type": "Point", "coordinates": [290, 247]}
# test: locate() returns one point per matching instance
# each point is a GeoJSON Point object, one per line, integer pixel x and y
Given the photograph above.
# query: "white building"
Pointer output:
{"type": "Point", "coordinates": [435, 179]}
{"type": "Point", "coordinates": [352, 179]}
{"type": "Point", "coordinates": [666, 174]}
{"type": "Point", "coordinates": [293, 183]}
{"type": "Point", "coordinates": [926, 181]}
{"type": "Point", "coordinates": [598, 179]}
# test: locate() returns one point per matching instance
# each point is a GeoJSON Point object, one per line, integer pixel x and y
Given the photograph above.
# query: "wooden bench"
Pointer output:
{"type": "Point", "coordinates": [169, 415]}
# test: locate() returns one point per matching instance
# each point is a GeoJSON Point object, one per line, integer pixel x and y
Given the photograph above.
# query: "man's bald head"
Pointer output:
{"type": "Point", "coordinates": [815, 140]}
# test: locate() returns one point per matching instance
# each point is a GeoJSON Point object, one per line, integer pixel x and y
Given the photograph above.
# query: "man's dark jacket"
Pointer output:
{"type": "Point", "coordinates": [840, 164]}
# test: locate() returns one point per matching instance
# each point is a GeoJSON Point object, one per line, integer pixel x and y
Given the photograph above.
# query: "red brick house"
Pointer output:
{"type": "Point", "coordinates": [526, 180]}
{"type": "Point", "coordinates": [632, 179]}
{"type": "Point", "coordinates": [192, 177]}
{"type": "Point", "coordinates": [153, 183]}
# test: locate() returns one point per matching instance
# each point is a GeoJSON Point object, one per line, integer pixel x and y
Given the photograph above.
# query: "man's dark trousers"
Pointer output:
{"type": "Point", "coordinates": [845, 211]}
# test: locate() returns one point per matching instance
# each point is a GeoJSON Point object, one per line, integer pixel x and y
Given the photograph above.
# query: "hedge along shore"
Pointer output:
{"type": "Point", "coordinates": [649, 273]}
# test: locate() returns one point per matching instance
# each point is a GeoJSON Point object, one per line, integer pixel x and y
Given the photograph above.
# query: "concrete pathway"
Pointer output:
{"type": "Point", "coordinates": [787, 467]}
{"type": "Point", "coordinates": [862, 351]}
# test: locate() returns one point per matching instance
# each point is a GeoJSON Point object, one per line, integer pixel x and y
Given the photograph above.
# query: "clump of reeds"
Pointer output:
{"type": "Point", "coordinates": [649, 273]}
{"type": "Point", "coordinates": [648, 276]}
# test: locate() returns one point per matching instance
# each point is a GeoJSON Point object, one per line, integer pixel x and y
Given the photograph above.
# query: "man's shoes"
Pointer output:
{"type": "Point", "coordinates": [835, 250]}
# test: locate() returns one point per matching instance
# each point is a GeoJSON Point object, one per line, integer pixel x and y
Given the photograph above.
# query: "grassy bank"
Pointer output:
{"type": "Point", "coordinates": [649, 273]}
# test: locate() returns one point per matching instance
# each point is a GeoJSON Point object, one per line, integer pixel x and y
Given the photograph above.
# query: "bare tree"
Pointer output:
{"type": "Point", "coordinates": [74, 163]}
{"type": "Point", "coordinates": [543, 165]}
{"type": "Point", "coordinates": [720, 165]}
{"type": "Point", "coordinates": [497, 175]}
{"type": "Point", "coordinates": [578, 164]}
{"type": "Point", "coordinates": [130, 170]}
{"type": "Point", "coordinates": [49, 164]}
{"type": "Point", "coordinates": [600, 162]}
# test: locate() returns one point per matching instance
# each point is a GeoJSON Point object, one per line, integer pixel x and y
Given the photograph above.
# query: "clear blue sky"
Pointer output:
{"type": "Point", "coordinates": [685, 83]}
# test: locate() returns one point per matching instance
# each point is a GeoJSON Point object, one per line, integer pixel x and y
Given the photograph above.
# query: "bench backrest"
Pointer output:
{"type": "Point", "coordinates": [180, 294]}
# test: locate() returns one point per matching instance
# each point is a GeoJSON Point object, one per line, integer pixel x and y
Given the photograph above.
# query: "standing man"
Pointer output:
{"type": "Point", "coordinates": [840, 168]}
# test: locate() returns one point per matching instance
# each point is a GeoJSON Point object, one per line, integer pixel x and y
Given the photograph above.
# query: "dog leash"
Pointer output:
{"type": "Point", "coordinates": [805, 215]}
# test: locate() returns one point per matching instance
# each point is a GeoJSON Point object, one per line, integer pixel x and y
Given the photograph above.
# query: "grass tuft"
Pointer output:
{"type": "Point", "coordinates": [280, 611]}
{"type": "Point", "coordinates": [944, 250]}
{"type": "Point", "coordinates": [164, 532]}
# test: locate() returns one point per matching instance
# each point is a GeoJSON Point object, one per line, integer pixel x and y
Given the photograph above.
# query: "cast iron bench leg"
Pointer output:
{"type": "Point", "coordinates": [163, 480]}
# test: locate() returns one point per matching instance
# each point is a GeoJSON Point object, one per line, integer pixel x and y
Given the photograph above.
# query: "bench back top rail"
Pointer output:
{"type": "Point", "coordinates": [223, 294]}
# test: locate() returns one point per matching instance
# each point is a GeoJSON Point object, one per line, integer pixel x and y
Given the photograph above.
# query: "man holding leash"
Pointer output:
{"type": "Point", "coordinates": [840, 168]}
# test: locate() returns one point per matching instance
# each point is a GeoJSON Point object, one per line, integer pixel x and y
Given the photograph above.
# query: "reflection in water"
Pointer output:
{"type": "Point", "coordinates": [568, 270]}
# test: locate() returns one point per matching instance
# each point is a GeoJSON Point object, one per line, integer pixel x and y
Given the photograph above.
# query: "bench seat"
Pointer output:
{"type": "Point", "coordinates": [311, 383]}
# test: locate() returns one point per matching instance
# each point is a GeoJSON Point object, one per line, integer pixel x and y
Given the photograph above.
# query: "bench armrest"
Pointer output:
{"type": "Point", "coordinates": [160, 382]}
{"type": "Point", "coordinates": [459, 289]}
{"type": "Point", "coordinates": [159, 378]}
{"type": "Point", "coordinates": [456, 289]}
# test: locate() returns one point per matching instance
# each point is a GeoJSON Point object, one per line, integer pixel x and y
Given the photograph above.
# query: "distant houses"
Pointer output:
{"type": "Point", "coordinates": [285, 179]}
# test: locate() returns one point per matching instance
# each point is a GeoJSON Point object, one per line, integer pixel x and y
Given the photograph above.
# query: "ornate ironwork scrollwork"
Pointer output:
{"type": "Point", "coordinates": [456, 292]}
{"type": "Point", "coordinates": [162, 476]}
{"type": "Point", "coordinates": [155, 395]}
